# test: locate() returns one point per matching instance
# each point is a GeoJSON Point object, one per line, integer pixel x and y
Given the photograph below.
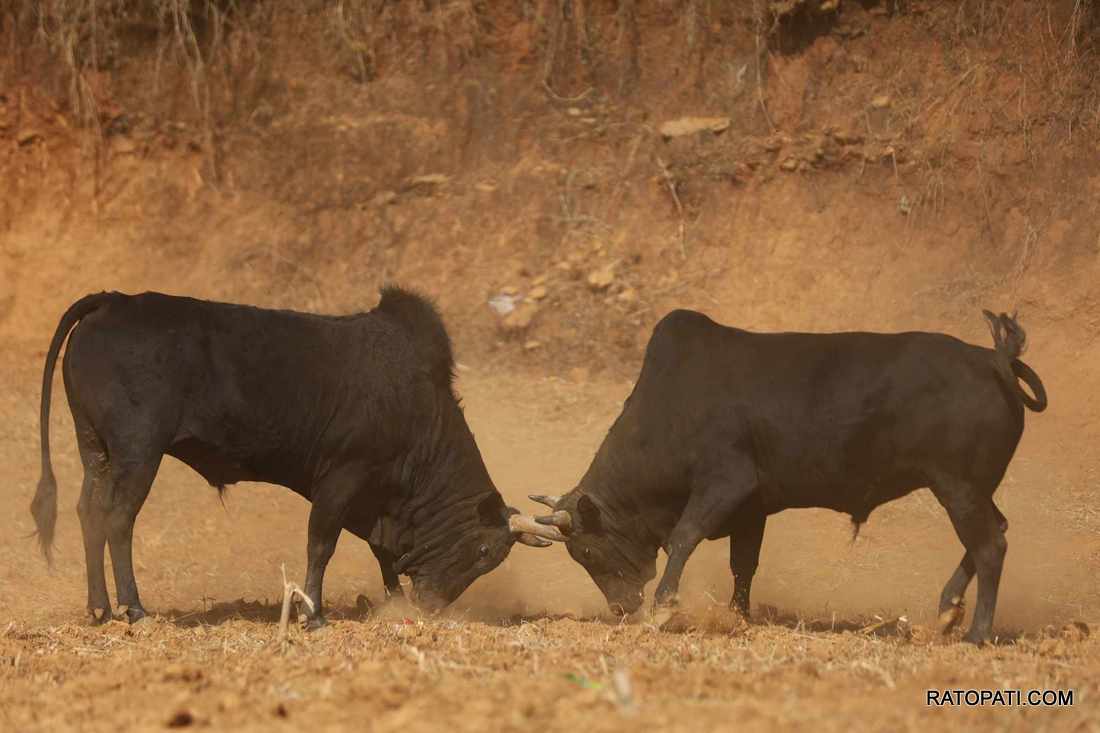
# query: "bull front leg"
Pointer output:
{"type": "Point", "coordinates": [709, 509]}
{"type": "Point", "coordinates": [390, 579]}
{"type": "Point", "coordinates": [332, 496]}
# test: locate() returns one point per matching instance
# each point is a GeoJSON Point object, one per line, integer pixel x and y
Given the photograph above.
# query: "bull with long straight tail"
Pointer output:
{"type": "Point", "coordinates": [356, 413]}
{"type": "Point", "coordinates": [725, 427]}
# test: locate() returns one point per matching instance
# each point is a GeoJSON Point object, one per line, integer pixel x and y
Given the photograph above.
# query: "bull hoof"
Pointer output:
{"type": "Point", "coordinates": [743, 611]}
{"type": "Point", "coordinates": [975, 638]}
{"type": "Point", "coordinates": [134, 614]}
{"type": "Point", "coordinates": [315, 623]}
{"type": "Point", "coordinates": [951, 616]}
{"type": "Point", "coordinates": [662, 615]}
{"type": "Point", "coordinates": [99, 616]}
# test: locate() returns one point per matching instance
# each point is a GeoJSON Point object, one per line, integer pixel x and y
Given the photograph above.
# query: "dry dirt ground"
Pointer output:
{"type": "Point", "coordinates": [530, 645]}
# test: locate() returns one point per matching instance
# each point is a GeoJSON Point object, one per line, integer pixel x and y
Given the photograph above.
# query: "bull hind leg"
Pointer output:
{"type": "Point", "coordinates": [981, 528]}
{"type": "Point", "coordinates": [130, 484]}
{"type": "Point", "coordinates": [951, 599]}
{"type": "Point", "coordinates": [714, 500]}
{"type": "Point", "coordinates": [93, 520]}
{"type": "Point", "coordinates": [746, 537]}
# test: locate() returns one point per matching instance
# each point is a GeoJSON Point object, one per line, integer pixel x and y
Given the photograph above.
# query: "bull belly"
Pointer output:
{"type": "Point", "coordinates": [212, 463]}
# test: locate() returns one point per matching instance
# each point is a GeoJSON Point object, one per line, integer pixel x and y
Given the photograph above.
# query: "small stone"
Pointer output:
{"type": "Point", "coordinates": [520, 319]}
{"type": "Point", "coordinates": [531, 345]}
{"type": "Point", "coordinates": [601, 279]}
{"type": "Point", "coordinates": [1075, 631]}
{"type": "Point", "coordinates": [510, 290]}
{"type": "Point", "coordinates": [538, 292]}
{"type": "Point", "coordinates": [383, 198]}
{"type": "Point", "coordinates": [181, 719]}
{"type": "Point", "coordinates": [486, 187]}
{"type": "Point", "coordinates": [540, 279]}
{"type": "Point", "coordinates": [789, 164]}
{"type": "Point", "coordinates": [628, 295]}
{"type": "Point", "coordinates": [26, 137]}
{"type": "Point", "coordinates": [905, 206]}
{"type": "Point", "coordinates": [691, 125]}
{"type": "Point", "coordinates": [573, 111]}
{"type": "Point", "coordinates": [882, 101]}
{"type": "Point", "coordinates": [426, 183]}
{"type": "Point", "coordinates": [502, 304]}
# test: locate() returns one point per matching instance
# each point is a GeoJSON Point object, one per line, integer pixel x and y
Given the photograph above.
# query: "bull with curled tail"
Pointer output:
{"type": "Point", "coordinates": [726, 427]}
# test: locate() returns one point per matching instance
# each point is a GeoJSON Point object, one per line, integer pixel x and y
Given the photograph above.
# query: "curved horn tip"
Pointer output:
{"type": "Point", "coordinates": [560, 518]}
{"type": "Point", "coordinates": [531, 540]}
{"type": "Point", "coordinates": [549, 500]}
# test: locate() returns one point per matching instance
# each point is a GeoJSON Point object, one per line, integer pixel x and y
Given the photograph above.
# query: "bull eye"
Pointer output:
{"type": "Point", "coordinates": [483, 551]}
{"type": "Point", "coordinates": [587, 552]}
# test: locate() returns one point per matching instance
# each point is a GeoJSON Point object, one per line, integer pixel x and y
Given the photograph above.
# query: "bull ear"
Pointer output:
{"type": "Point", "coordinates": [491, 510]}
{"type": "Point", "coordinates": [589, 514]}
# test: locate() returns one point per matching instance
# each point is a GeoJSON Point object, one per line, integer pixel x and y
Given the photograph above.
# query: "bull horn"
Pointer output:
{"type": "Point", "coordinates": [548, 499]}
{"type": "Point", "coordinates": [531, 540]}
{"type": "Point", "coordinates": [560, 519]}
{"type": "Point", "coordinates": [522, 524]}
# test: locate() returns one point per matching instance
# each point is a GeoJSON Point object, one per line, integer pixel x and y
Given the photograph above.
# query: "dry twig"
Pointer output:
{"type": "Point", "coordinates": [289, 591]}
{"type": "Point", "coordinates": [671, 183]}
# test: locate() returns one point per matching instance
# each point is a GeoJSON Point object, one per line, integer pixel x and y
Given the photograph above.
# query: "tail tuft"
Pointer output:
{"type": "Point", "coordinates": [1009, 337]}
{"type": "Point", "coordinates": [44, 511]}
{"type": "Point", "coordinates": [1009, 341]}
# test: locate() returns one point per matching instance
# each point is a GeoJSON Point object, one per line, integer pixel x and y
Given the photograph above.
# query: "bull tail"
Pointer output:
{"type": "Point", "coordinates": [1009, 341]}
{"type": "Point", "coordinates": [44, 504]}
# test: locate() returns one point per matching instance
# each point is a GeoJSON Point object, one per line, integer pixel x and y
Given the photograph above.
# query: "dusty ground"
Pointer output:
{"type": "Point", "coordinates": [530, 644]}
{"type": "Point", "coordinates": [881, 170]}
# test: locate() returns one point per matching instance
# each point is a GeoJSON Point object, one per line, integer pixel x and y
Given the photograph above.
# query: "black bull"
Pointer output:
{"type": "Point", "coordinates": [725, 427]}
{"type": "Point", "coordinates": [356, 413]}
